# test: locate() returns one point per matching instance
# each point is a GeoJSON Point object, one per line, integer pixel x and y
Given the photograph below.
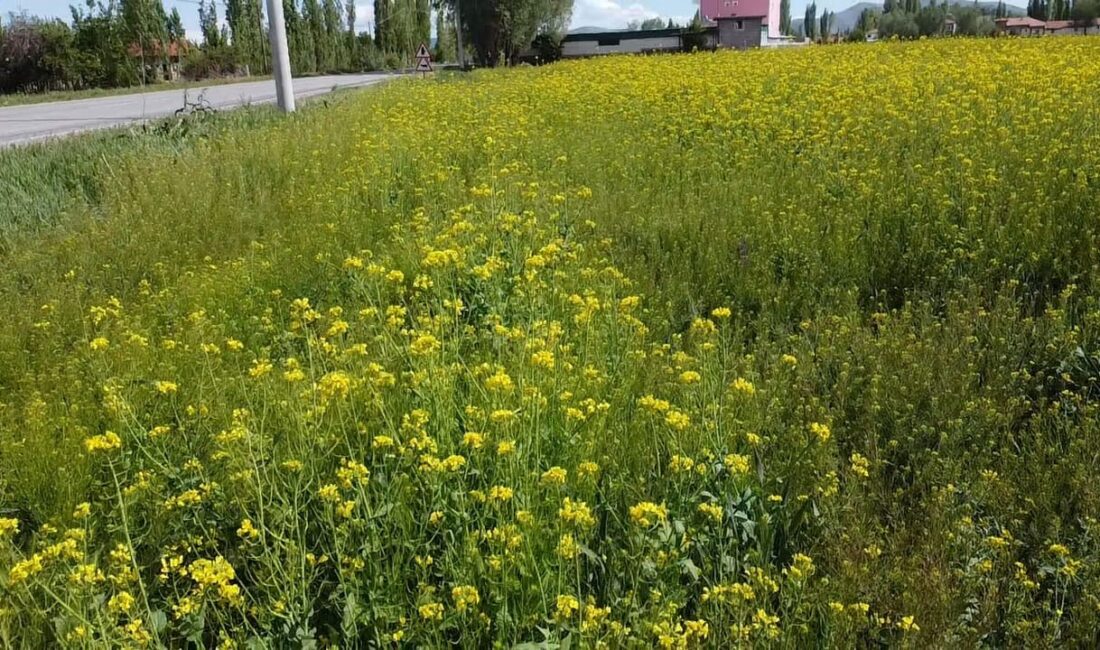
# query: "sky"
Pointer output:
{"type": "Point", "coordinates": [612, 14]}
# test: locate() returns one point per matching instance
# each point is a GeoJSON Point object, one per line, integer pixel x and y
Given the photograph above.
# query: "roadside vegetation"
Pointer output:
{"type": "Point", "coordinates": [625, 352]}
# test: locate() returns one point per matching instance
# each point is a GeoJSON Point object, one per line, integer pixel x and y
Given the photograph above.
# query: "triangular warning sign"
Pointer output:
{"type": "Point", "coordinates": [422, 53]}
{"type": "Point", "coordinates": [423, 65]}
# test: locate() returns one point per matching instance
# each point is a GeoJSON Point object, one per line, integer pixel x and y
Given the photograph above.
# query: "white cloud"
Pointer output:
{"type": "Point", "coordinates": [364, 16]}
{"type": "Point", "coordinates": [608, 13]}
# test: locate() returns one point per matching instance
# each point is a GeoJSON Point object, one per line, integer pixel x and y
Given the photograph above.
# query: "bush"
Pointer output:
{"type": "Point", "coordinates": [547, 48]}
{"type": "Point", "coordinates": [210, 62]}
{"type": "Point", "coordinates": [899, 24]}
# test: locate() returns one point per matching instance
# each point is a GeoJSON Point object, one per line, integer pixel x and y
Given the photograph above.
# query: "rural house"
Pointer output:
{"type": "Point", "coordinates": [1071, 27]}
{"type": "Point", "coordinates": [744, 23]}
{"type": "Point", "coordinates": [1020, 26]}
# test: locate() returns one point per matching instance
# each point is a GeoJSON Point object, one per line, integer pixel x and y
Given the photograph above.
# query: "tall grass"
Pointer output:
{"type": "Point", "coordinates": [777, 348]}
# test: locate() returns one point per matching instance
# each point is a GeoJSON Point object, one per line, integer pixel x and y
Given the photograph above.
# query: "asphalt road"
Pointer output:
{"type": "Point", "coordinates": [20, 124]}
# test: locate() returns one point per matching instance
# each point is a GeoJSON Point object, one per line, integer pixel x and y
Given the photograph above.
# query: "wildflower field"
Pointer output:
{"type": "Point", "coordinates": [770, 349]}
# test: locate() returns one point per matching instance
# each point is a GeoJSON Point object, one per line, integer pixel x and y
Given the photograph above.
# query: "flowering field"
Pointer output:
{"type": "Point", "coordinates": [772, 349]}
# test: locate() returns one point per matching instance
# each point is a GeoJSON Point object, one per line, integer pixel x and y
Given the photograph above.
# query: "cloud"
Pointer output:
{"type": "Point", "coordinates": [364, 16]}
{"type": "Point", "coordinates": [608, 13]}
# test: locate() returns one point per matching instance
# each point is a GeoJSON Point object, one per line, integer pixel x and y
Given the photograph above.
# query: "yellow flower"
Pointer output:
{"type": "Point", "coordinates": [737, 464]}
{"type": "Point", "coordinates": [165, 387]}
{"type": "Point", "coordinates": [431, 611]}
{"type": "Point", "coordinates": [99, 343]}
{"type": "Point", "coordinates": [588, 469]}
{"type": "Point", "coordinates": [506, 447]}
{"type": "Point", "coordinates": [680, 463]}
{"type": "Point", "coordinates": [567, 547]}
{"type": "Point", "coordinates": [465, 597]}
{"type": "Point", "coordinates": [677, 420]}
{"type": "Point", "coordinates": [500, 493]}
{"type": "Point", "coordinates": [499, 382]}
{"type": "Point", "coordinates": [703, 327]}
{"type": "Point", "coordinates": [820, 431]}
{"type": "Point", "coordinates": [647, 513]}
{"type": "Point", "coordinates": [565, 607]}
{"type": "Point", "coordinates": [424, 345]}
{"type": "Point", "coordinates": [247, 530]}
{"type": "Point", "coordinates": [8, 527]}
{"type": "Point", "coordinates": [690, 377]}
{"type": "Point", "coordinates": [502, 416]}
{"type": "Point", "coordinates": [743, 386]}
{"type": "Point", "coordinates": [576, 513]}
{"type": "Point", "coordinates": [711, 511]}
{"type": "Point", "coordinates": [121, 603]}
{"type": "Point", "coordinates": [260, 367]}
{"type": "Point", "coordinates": [553, 477]}
{"type": "Point", "coordinates": [908, 624]}
{"type": "Point", "coordinates": [651, 403]}
{"type": "Point", "coordinates": [81, 511]}
{"type": "Point", "coordinates": [543, 359]}
{"type": "Point", "coordinates": [473, 440]}
{"type": "Point", "coordinates": [860, 465]}
{"type": "Point", "coordinates": [105, 442]}
{"type": "Point", "coordinates": [721, 312]}
{"type": "Point", "coordinates": [329, 493]}
{"type": "Point", "coordinates": [25, 569]}
{"type": "Point", "coordinates": [1059, 549]}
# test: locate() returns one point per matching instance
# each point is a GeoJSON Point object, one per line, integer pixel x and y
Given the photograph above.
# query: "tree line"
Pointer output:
{"type": "Point", "coordinates": [112, 43]}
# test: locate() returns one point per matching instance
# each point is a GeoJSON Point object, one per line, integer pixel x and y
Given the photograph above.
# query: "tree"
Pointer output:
{"type": "Point", "coordinates": [825, 29]}
{"type": "Point", "coordinates": [243, 18]}
{"type": "Point", "coordinates": [313, 20]}
{"type": "Point", "coordinates": [648, 23]}
{"type": "Point", "coordinates": [423, 33]}
{"type": "Point", "coordinates": [208, 24]}
{"type": "Point", "coordinates": [784, 16]}
{"type": "Point", "coordinates": [1084, 13]}
{"type": "Point", "coordinates": [930, 21]}
{"type": "Point", "coordinates": [494, 28]}
{"type": "Point", "coordinates": [889, 5]}
{"type": "Point", "coordinates": [145, 29]}
{"type": "Point", "coordinates": [809, 21]}
{"type": "Point", "coordinates": [899, 24]}
{"type": "Point", "coordinates": [868, 20]}
{"type": "Point", "coordinates": [445, 47]}
{"type": "Point", "coordinates": [174, 26]}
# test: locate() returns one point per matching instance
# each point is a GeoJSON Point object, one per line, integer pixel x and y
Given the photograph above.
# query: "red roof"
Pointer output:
{"type": "Point", "coordinates": [1064, 24]}
{"type": "Point", "coordinates": [1021, 22]}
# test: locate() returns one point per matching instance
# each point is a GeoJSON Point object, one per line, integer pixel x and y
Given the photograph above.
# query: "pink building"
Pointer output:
{"type": "Point", "coordinates": [767, 10]}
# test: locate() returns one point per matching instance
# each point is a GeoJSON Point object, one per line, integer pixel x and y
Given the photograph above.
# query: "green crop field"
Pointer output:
{"type": "Point", "coordinates": [770, 349]}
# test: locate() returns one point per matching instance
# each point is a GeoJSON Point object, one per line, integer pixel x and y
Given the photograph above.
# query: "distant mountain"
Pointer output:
{"type": "Point", "coordinates": [846, 20]}
{"type": "Point", "coordinates": [588, 29]}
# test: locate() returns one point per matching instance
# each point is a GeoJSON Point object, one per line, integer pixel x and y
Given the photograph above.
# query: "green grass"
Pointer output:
{"type": "Point", "coordinates": [42, 183]}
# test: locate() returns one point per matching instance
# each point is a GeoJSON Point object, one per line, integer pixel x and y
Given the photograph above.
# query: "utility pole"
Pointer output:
{"type": "Point", "coordinates": [280, 56]}
{"type": "Point", "coordinates": [458, 38]}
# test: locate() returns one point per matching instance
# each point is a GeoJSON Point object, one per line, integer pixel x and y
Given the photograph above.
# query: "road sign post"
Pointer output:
{"type": "Point", "coordinates": [423, 59]}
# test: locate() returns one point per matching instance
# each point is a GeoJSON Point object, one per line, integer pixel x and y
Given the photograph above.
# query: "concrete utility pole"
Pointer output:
{"type": "Point", "coordinates": [280, 56]}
